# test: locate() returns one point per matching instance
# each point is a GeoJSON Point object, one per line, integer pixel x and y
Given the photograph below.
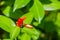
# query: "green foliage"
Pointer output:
{"type": "Point", "coordinates": [58, 19]}
{"type": "Point", "coordinates": [15, 32]}
{"type": "Point", "coordinates": [26, 37]}
{"type": "Point", "coordinates": [29, 18]}
{"type": "Point", "coordinates": [20, 3]}
{"type": "Point", "coordinates": [38, 11]}
{"type": "Point", "coordinates": [6, 11]}
{"type": "Point", "coordinates": [32, 33]}
{"type": "Point", "coordinates": [54, 1]}
{"type": "Point", "coordinates": [6, 23]}
{"type": "Point", "coordinates": [43, 15]}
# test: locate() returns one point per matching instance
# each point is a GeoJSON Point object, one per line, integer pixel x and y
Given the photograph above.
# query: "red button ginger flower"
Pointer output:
{"type": "Point", "coordinates": [20, 21]}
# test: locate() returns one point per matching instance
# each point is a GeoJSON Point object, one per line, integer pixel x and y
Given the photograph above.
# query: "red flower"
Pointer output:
{"type": "Point", "coordinates": [20, 21]}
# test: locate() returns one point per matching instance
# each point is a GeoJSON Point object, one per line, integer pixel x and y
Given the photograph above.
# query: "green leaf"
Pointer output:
{"type": "Point", "coordinates": [54, 1]}
{"type": "Point", "coordinates": [6, 23]}
{"type": "Point", "coordinates": [6, 39]}
{"type": "Point", "coordinates": [20, 3]}
{"type": "Point", "coordinates": [35, 23]}
{"type": "Point", "coordinates": [2, 3]}
{"type": "Point", "coordinates": [52, 6]}
{"type": "Point", "coordinates": [32, 32]}
{"type": "Point", "coordinates": [29, 18]}
{"type": "Point", "coordinates": [58, 20]}
{"type": "Point", "coordinates": [56, 5]}
{"type": "Point", "coordinates": [6, 11]}
{"type": "Point", "coordinates": [15, 32]}
{"type": "Point", "coordinates": [58, 30]}
{"type": "Point", "coordinates": [25, 36]}
{"type": "Point", "coordinates": [58, 16]}
{"type": "Point", "coordinates": [49, 7]}
{"type": "Point", "coordinates": [37, 10]}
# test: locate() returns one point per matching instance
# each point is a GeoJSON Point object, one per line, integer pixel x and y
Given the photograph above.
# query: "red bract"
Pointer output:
{"type": "Point", "coordinates": [28, 26]}
{"type": "Point", "coordinates": [20, 21]}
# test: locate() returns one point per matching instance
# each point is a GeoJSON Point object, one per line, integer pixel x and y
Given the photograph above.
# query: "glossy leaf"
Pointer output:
{"type": "Point", "coordinates": [6, 23]}
{"type": "Point", "coordinates": [6, 11]}
{"type": "Point", "coordinates": [25, 36]}
{"type": "Point", "coordinates": [52, 6]}
{"type": "Point", "coordinates": [29, 18]}
{"type": "Point", "coordinates": [38, 10]}
{"type": "Point", "coordinates": [49, 7]}
{"type": "Point", "coordinates": [15, 32]}
{"type": "Point", "coordinates": [20, 3]}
